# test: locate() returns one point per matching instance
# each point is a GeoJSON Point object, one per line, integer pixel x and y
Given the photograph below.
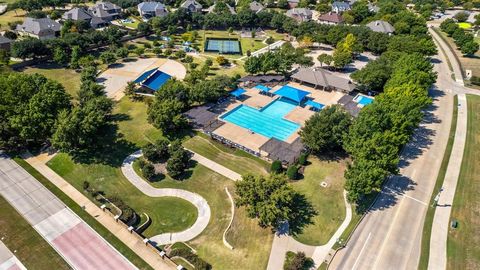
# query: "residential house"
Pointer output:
{"type": "Point", "coordinates": [256, 6]}
{"type": "Point", "coordinates": [82, 14]}
{"type": "Point", "coordinates": [149, 10]}
{"type": "Point", "coordinates": [44, 28]}
{"type": "Point", "coordinates": [192, 6]}
{"type": "Point", "coordinates": [105, 11]}
{"type": "Point", "coordinates": [330, 18]}
{"type": "Point", "coordinates": [324, 79]}
{"type": "Point", "coordinates": [5, 43]}
{"type": "Point", "coordinates": [293, 3]}
{"type": "Point", "coordinates": [339, 7]}
{"type": "Point", "coordinates": [381, 27]}
{"type": "Point", "coordinates": [230, 9]}
{"type": "Point", "coordinates": [299, 14]}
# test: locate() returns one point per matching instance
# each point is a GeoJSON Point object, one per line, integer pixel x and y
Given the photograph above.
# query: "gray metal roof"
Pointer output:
{"type": "Point", "coordinates": [381, 26]}
{"type": "Point", "coordinates": [256, 6]}
{"type": "Point", "coordinates": [188, 3]}
{"type": "Point", "coordinates": [4, 40]}
{"type": "Point", "coordinates": [324, 78]}
{"type": "Point", "coordinates": [35, 26]}
{"type": "Point", "coordinates": [283, 151]}
{"type": "Point", "coordinates": [150, 6]}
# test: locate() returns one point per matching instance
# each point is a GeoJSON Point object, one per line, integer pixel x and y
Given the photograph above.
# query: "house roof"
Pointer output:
{"type": "Point", "coordinates": [283, 151]}
{"type": "Point", "coordinates": [4, 40]}
{"type": "Point", "coordinates": [341, 5]}
{"type": "Point", "coordinates": [256, 6]}
{"type": "Point", "coordinates": [381, 26]}
{"type": "Point", "coordinates": [104, 9]}
{"type": "Point", "coordinates": [373, 7]}
{"type": "Point", "coordinates": [262, 78]}
{"type": "Point", "coordinates": [322, 77]}
{"type": "Point", "coordinates": [150, 6]}
{"type": "Point", "coordinates": [35, 26]}
{"type": "Point", "coordinates": [304, 12]}
{"type": "Point", "coordinates": [77, 14]}
{"type": "Point", "coordinates": [230, 8]}
{"type": "Point", "coordinates": [106, 5]}
{"type": "Point", "coordinates": [188, 3]}
{"type": "Point", "coordinates": [331, 17]}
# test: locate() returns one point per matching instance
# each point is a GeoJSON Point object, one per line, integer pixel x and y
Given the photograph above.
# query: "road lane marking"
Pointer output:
{"type": "Point", "coordinates": [406, 196]}
{"type": "Point", "coordinates": [361, 251]}
{"type": "Point", "coordinates": [417, 200]}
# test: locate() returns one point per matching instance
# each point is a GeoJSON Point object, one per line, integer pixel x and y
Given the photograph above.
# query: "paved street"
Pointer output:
{"type": "Point", "coordinates": [389, 237]}
{"type": "Point", "coordinates": [73, 239]}
{"type": "Point", "coordinates": [8, 261]}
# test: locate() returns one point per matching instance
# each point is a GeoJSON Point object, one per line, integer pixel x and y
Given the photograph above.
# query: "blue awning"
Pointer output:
{"type": "Point", "coordinates": [263, 88]}
{"type": "Point", "coordinates": [144, 75]}
{"type": "Point", "coordinates": [315, 105]}
{"type": "Point", "coordinates": [292, 93]}
{"type": "Point", "coordinates": [238, 92]}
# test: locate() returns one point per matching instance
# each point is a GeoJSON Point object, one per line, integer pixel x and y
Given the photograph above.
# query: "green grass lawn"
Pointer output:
{"type": "Point", "coordinates": [31, 249]}
{"type": "Point", "coordinates": [16, 15]}
{"type": "Point", "coordinates": [69, 78]}
{"type": "Point", "coordinates": [133, 24]}
{"type": "Point", "coordinates": [234, 159]}
{"type": "Point", "coordinates": [328, 202]}
{"type": "Point", "coordinates": [463, 245]}
{"type": "Point", "coordinates": [427, 227]}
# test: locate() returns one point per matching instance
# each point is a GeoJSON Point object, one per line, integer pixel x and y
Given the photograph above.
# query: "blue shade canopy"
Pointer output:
{"type": "Point", "coordinates": [314, 104]}
{"type": "Point", "coordinates": [292, 93]}
{"type": "Point", "coordinates": [263, 88]}
{"type": "Point", "coordinates": [144, 75]}
{"type": "Point", "coordinates": [238, 92]}
{"type": "Point", "coordinates": [156, 81]}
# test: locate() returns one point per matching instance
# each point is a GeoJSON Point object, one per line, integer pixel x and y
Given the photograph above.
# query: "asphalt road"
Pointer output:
{"type": "Point", "coordinates": [389, 237]}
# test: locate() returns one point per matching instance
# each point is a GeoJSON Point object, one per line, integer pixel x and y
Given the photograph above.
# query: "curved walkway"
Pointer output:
{"type": "Point", "coordinates": [199, 202]}
{"type": "Point", "coordinates": [283, 243]}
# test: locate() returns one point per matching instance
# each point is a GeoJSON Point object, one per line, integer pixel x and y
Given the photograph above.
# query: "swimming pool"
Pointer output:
{"type": "Point", "coordinates": [363, 100]}
{"type": "Point", "coordinates": [156, 80]}
{"type": "Point", "coordinates": [268, 121]}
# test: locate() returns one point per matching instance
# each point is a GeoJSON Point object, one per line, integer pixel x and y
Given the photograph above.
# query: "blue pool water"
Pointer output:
{"type": "Point", "coordinates": [363, 100]}
{"type": "Point", "coordinates": [268, 121]}
{"type": "Point", "coordinates": [156, 80]}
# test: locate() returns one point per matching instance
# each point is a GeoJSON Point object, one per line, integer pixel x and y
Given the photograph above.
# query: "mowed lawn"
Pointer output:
{"type": "Point", "coordinates": [234, 159]}
{"type": "Point", "coordinates": [16, 15]}
{"type": "Point", "coordinates": [328, 202]}
{"type": "Point", "coordinates": [463, 246]}
{"type": "Point", "coordinates": [31, 249]}
{"type": "Point", "coordinates": [472, 63]}
{"type": "Point", "coordinates": [69, 78]}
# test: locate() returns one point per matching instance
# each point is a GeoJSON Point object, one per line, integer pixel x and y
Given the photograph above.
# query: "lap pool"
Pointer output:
{"type": "Point", "coordinates": [268, 121]}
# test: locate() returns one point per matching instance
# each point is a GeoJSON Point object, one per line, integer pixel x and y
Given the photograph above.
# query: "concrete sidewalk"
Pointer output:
{"type": "Point", "coordinates": [438, 240]}
{"type": "Point", "coordinates": [135, 244]}
{"type": "Point", "coordinates": [212, 165]}
{"type": "Point", "coordinates": [8, 260]}
{"type": "Point", "coordinates": [198, 201]}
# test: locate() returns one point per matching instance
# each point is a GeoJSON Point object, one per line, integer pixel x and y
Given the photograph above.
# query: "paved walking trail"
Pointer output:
{"type": "Point", "coordinates": [198, 201]}
{"type": "Point", "coordinates": [283, 243]}
{"type": "Point", "coordinates": [8, 261]}
{"type": "Point", "coordinates": [438, 241]}
{"type": "Point", "coordinates": [70, 236]}
{"type": "Point", "coordinates": [135, 244]}
{"type": "Point", "coordinates": [212, 165]}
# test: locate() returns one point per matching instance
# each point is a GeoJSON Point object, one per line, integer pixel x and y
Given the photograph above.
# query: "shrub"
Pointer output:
{"type": "Point", "coordinates": [292, 172]}
{"type": "Point", "coordinates": [276, 167]}
{"type": "Point", "coordinates": [302, 159]}
{"type": "Point", "coordinates": [177, 163]}
{"type": "Point", "coordinates": [162, 148]}
{"type": "Point", "coordinates": [148, 171]}
{"type": "Point", "coordinates": [86, 185]}
{"type": "Point", "coordinates": [150, 152]}
{"type": "Point", "coordinates": [191, 257]}
{"type": "Point", "coordinates": [297, 261]}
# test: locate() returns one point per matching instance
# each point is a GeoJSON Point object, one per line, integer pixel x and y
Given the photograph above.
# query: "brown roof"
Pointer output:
{"type": "Point", "coordinates": [324, 78]}
{"type": "Point", "coordinates": [283, 151]}
{"type": "Point", "coordinates": [331, 17]}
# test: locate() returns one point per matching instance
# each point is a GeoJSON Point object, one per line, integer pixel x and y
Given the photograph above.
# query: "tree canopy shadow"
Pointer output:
{"type": "Point", "coordinates": [302, 214]}
{"type": "Point", "coordinates": [395, 187]}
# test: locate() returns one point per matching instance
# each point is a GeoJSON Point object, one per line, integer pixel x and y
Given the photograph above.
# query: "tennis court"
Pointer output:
{"type": "Point", "coordinates": [222, 45]}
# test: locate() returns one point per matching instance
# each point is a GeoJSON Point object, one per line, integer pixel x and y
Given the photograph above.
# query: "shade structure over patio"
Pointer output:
{"type": "Point", "coordinates": [263, 88]}
{"type": "Point", "coordinates": [238, 92]}
{"type": "Point", "coordinates": [144, 75]}
{"type": "Point", "coordinates": [292, 93]}
{"type": "Point", "coordinates": [315, 105]}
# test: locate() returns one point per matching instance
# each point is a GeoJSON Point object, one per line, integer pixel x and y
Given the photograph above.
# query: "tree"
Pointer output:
{"type": "Point", "coordinates": [140, 51]}
{"type": "Point", "coordinates": [470, 48]}
{"type": "Point", "coordinates": [299, 261]}
{"type": "Point", "coordinates": [461, 16]}
{"type": "Point", "coordinates": [121, 52]}
{"type": "Point", "coordinates": [29, 108]}
{"type": "Point", "coordinates": [341, 58]}
{"type": "Point", "coordinates": [144, 28]}
{"type": "Point", "coordinates": [4, 57]}
{"type": "Point", "coordinates": [166, 115]}
{"type": "Point", "coordinates": [180, 54]}
{"type": "Point", "coordinates": [108, 58]}
{"type": "Point", "coordinates": [60, 56]}
{"type": "Point", "coordinates": [178, 162]}
{"type": "Point", "coordinates": [150, 152]}
{"type": "Point", "coordinates": [148, 171]}
{"type": "Point", "coordinates": [221, 60]}
{"type": "Point", "coordinates": [272, 201]}
{"type": "Point", "coordinates": [324, 131]}
{"type": "Point", "coordinates": [29, 48]}
{"type": "Point", "coordinates": [75, 57]}
{"type": "Point", "coordinates": [130, 90]}
{"type": "Point", "coordinates": [292, 172]}
{"type": "Point", "coordinates": [325, 59]}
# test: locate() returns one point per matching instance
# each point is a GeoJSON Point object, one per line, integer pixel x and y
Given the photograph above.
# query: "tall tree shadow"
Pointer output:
{"type": "Point", "coordinates": [302, 214]}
